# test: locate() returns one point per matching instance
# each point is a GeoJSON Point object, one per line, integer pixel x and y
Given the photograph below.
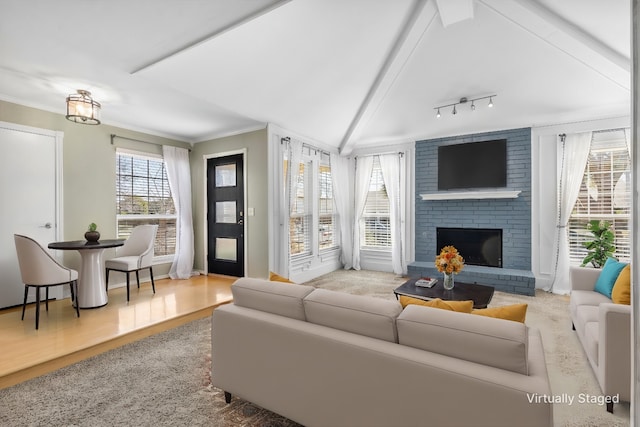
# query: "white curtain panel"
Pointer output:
{"type": "Point", "coordinates": [364, 166]}
{"type": "Point", "coordinates": [178, 171]}
{"type": "Point", "coordinates": [572, 160]}
{"type": "Point", "coordinates": [390, 165]}
{"type": "Point", "coordinates": [342, 178]}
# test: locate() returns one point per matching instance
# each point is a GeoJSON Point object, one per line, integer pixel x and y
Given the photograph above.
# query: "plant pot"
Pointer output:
{"type": "Point", "coordinates": [92, 236]}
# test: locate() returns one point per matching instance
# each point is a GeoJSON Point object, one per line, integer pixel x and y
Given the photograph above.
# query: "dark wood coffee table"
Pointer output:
{"type": "Point", "coordinates": [480, 294]}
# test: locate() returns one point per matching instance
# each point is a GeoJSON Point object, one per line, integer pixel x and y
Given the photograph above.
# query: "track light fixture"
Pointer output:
{"type": "Point", "coordinates": [464, 100]}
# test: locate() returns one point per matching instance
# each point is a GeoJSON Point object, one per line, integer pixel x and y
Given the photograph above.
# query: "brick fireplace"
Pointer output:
{"type": "Point", "coordinates": [507, 209]}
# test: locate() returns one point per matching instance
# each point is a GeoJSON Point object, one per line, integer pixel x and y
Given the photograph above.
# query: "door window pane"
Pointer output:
{"type": "Point", "coordinates": [226, 212]}
{"type": "Point", "coordinates": [226, 175]}
{"type": "Point", "coordinates": [226, 249]}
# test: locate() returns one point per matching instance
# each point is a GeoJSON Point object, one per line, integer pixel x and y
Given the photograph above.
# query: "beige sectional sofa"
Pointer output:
{"type": "Point", "coordinates": [604, 329]}
{"type": "Point", "coordinates": [324, 358]}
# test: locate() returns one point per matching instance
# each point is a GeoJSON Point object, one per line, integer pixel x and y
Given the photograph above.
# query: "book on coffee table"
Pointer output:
{"type": "Point", "coordinates": [426, 282]}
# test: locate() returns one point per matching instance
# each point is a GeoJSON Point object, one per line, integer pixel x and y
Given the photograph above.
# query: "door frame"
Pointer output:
{"type": "Point", "coordinates": [205, 207]}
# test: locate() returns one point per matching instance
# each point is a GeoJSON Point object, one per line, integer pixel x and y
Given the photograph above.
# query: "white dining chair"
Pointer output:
{"type": "Point", "coordinates": [39, 270]}
{"type": "Point", "coordinates": [136, 254]}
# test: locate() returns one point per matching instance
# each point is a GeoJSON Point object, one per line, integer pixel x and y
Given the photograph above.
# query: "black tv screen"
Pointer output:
{"type": "Point", "coordinates": [472, 165]}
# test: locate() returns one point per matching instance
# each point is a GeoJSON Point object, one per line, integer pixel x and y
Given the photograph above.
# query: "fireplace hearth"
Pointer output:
{"type": "Point", "coordinates": [478, 246]}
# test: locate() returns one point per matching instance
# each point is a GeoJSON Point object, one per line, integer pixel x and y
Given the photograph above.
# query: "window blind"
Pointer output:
{"type": "Point", "coordinates": [376, 215]}
{"type": "Point", "coordinates": [300, 217]}
{"type": "Point", "coordinates": [143, 196]}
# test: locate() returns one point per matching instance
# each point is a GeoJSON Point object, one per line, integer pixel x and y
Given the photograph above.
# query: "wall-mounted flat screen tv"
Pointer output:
{"type": "Point", "coordinates": [472, 165]}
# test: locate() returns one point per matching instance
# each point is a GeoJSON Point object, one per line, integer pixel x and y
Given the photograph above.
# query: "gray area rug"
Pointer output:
{"type": "Point", "coordinates": [164, 380]}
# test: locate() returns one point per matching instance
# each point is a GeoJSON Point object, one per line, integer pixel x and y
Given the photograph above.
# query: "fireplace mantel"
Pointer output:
{"type": "Point", "coordinates": [450, 195]}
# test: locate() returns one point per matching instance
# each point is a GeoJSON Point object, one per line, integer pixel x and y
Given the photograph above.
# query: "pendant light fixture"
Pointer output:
{"type": "Point", "coordinates": [81, 108]}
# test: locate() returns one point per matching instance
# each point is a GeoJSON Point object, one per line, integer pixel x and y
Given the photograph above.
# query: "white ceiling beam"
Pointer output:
{"type": "Point", "coordinates": [232, 25]}
{"type": "Point", "coordinates": [454, 11]}
{"type": "Point", "coordinates": [543, 23]}
{"type": "Point", "coordinates": [419, 19]}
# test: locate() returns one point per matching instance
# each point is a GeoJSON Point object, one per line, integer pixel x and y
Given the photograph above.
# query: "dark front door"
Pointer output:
{"type": "Point", "coordinates": [225, 215]}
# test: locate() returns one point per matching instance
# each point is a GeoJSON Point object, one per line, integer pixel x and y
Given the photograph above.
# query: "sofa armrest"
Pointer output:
{"type": "Point", "coordinates": [614, 349]}
{"type": "Point", "coordinates": [583, 278]}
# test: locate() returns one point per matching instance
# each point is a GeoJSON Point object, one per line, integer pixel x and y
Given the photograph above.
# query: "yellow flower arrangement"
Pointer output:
{"type": "Point", "coordinates": [449, 261]}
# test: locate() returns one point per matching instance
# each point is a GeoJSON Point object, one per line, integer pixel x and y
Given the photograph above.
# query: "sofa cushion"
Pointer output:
{"type": "Point", "coordinates": [587, 313]}
{"type": "Point", "coordinates": [364, 315]}
{"type": "Point", "coordinates": [513, 312]}
{"type": "Point", "coordinates": [462, 306]}
{"type": "Point", "coordinates": [284, 299]}
{"type": "Point", "coordinates": [587, 298]}
{"type": "Point", "coordinates": [591, 333]}
{"type": "Point", "coordinates": [608, 276]}
{"type": "Point", "coordinates": [479, 339]}
{"type": "Point", "coordinates": [583, 315]}
{"type": "Point", "coordinates": [621, 293]}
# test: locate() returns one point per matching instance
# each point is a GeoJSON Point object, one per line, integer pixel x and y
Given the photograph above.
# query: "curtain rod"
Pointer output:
{"type": "Point", "coordinates": [114, 136]}
{"type": "Point", "coordinates": [399, 153]}
{"type": "Point", "coordinates": [601, 131]}
{"type": "Point", "coordinates": [287, 139]}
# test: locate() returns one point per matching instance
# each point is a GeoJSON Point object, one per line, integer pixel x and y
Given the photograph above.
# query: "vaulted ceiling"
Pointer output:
{"type": "Point", "coordinates": [348, 73]}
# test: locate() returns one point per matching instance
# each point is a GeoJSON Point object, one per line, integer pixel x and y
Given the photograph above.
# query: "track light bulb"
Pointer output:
{"type": "Point", "coordinates": [473, 106]}
{"type": "Point", "coordinates": [454, 112]}
{"type": "Point", "coordinates": [490, 101]}
{"type": "Point", "coordinates": [438, 113]}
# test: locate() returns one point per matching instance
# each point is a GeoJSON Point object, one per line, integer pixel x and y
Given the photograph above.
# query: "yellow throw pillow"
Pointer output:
{"type": "Point", "coordinates": [621, 293]}
{"type": "Point", "coordinates": [515, 312]}
{"type": "Point", "coordinates": [460, 306]}
{"type": "Point", "coordinates": [278, 278]}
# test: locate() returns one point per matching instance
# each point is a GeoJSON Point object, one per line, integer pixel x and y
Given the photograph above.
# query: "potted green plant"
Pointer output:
{"type": "Point", "coordinates": [92, 234]}
{"type": "Point", "coordinates": [602, 246]}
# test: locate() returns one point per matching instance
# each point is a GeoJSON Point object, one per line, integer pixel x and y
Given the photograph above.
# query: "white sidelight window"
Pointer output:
{"type": "Point", "coordinates": [375, 223]}
{"type": "Point", "coordinates": [312, 217]}
{"type": "Point", "coordinates": [301, 218]}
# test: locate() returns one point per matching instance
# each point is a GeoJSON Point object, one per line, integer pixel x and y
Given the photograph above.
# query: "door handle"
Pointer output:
{"type": "Point", "coordinates": [47, 225]}
{"type": "Point", "coordinates": [240, 222]}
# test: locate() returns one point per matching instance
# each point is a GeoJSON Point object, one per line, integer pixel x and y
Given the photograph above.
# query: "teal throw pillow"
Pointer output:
{"type": "Point", "coordinates": [608, 276]}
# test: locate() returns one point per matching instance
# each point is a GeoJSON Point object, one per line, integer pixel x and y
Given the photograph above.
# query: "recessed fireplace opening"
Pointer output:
{"type": "Point", "coordinates": [478, 246]}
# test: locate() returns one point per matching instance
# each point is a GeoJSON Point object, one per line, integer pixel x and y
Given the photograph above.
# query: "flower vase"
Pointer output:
{"type": "Point", "coordinates": [448, 281]}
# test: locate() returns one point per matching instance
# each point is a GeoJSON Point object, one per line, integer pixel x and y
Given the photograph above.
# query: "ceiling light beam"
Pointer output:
{"type": "Point", "coordinates": [570, 39]}
{"type": "Point", "coordinates": [418, 22]}
{"type": "Point", "coordinates": [211, 36]}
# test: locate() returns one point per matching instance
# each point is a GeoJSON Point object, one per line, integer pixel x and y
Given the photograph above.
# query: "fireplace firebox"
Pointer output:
{"type": "Point", "coordinates": [478, 246]}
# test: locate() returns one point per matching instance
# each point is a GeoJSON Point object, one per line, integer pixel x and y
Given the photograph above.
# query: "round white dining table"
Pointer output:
{"type": "Point", "coordinates": [92, 292]}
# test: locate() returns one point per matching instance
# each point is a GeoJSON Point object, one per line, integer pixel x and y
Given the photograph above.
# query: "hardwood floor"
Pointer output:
{"type": "Point", "coordinates": [63, 338]}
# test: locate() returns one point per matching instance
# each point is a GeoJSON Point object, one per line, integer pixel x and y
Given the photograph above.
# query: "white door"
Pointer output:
{"type": "Point", "coordinates": [30, 161]}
